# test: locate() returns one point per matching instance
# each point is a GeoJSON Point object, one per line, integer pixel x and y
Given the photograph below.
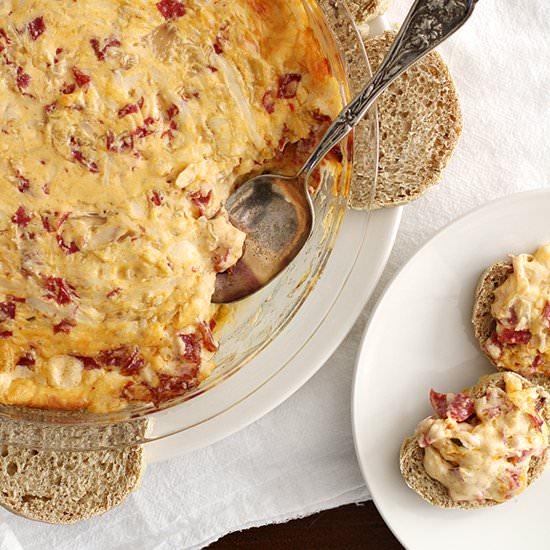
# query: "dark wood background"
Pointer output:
{"type": "Point", "coordinates": [347, 528]}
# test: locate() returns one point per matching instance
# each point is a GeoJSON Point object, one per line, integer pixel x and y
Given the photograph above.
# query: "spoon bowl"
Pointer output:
{"type": "Point", "coordinates": [277, 216]}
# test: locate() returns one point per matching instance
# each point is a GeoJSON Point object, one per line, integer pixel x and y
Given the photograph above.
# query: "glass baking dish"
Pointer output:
{"type": "Point", "coordinates": [250, 351]}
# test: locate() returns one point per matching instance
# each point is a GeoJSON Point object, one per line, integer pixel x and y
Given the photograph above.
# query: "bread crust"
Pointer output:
{"type": "Point", "coordinates": [64, 487]}
{"type": "Point", "coordinates": [482, 318]}
{"type": "Point", "coordinates": [420, 124]}
{"type": "Point", "coordinates": [411, 456]}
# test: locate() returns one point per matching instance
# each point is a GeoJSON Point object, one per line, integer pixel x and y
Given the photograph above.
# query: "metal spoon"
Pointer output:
{"type": "Point", "coordinates": [276, 212]}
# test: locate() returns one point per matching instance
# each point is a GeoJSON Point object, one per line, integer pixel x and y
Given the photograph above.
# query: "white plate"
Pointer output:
{"type": "Point", "coordinates": [420, 337]}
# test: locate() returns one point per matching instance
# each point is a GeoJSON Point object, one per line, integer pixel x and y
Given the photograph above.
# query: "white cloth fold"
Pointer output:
{"type": "Point", "coordinates": [300, 458]}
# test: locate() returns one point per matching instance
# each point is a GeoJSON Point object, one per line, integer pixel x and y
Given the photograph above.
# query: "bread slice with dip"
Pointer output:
{"type": "Point", "coordinates": [511, 315]}
{"type": "Point", "coordinates": [482, 446]}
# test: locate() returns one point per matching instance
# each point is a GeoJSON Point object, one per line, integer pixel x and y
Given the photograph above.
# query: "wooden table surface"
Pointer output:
{"type": "Point", "coordinates": [351, 527]}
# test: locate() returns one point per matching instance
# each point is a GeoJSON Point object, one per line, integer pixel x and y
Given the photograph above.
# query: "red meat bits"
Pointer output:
{"type": "Point", "coordinates": [460, 407]}
{"type": "Point", "coordinates": [201, 201]}
{"type": "Point", "coordinates": [218, 45]}
{"type": "Point", "coordinates": [207, 337]}
{"type": "Point", "coordinates": [88, 363]}
{"type": "Point", "coordinates": [192, 348]}
{"type": "Point", "coordinates": [546, 313]}
{"type": "Point", "coordinates": [88, 164]}
{"type": "Point", "coordinates": [36, 27]}
{"type": "Point", "coordinates": [64, 326]}
{"type": "Point", "coordinates": [81, 78]}
{"type": "Point", "coordinates": [67, 249]}
{"type": "Point", "coordinates": [288, 85]}
{"type": "Point", "coordinates": [51, 107]}
{"type": "Point", "coordinates": [68, 89]}
{"type": "Point", "coordinates": [143, 131]}
{"type": "Point", "coordinates": [22, 79]}
{"type": "Point", "coordinates": [59, 290]}
{"type": "Point", "coordinates": [126, 358]}
{"type": "Point", "coordinates": [157, 198]}
{"type": "Point", "coordinates": [5, 38]}
{"type": "Point", "coordinates": [128, 110]}
{"type": "Point", "coordinates": [173, 110]}
{"type": "Point", "coordinates": [52, 222]}
{"type": "Point", "coordinates": [174, 386]}
{"type": "Point", "coordinates": [509, 336]}
{"type": "Point", "coordinates": [26, 360]}
{"type": "Point", "coordinates": [23, 183]}
{"type": "Point", "coordinates": [119, 144]}
{"type": "Point", "coordinates": [537, 421]}
{"type": "Point", "coordinates": [21, 218]}
{"type": "Point", "coordinates": [171, 9]}
{"type": "Point", "coordinates": [99, 51]}
{"type": "Point", "coordinates": [7, 310]}
{"type": "Point", "coordinates": [268, 102]}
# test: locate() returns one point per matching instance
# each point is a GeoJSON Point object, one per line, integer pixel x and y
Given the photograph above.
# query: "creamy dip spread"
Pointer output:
{"type": "Point", "coordinates": [480, 448]}
{"type": "Point", "coordinates": [124, 126]}
{"type": "Point", "coordinates": [522, 313]}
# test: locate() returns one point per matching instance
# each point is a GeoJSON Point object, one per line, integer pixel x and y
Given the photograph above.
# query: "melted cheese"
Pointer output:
{"type": "Point", "coordinates": [487, 458]}
{"type": "Point", "coordinates": [520, 342]}
{"type": "Point", "coordinates": [124, 126]}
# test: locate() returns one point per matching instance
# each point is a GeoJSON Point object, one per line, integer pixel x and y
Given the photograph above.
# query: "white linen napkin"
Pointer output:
{"type": "Point", "coordinates": [300, 458]}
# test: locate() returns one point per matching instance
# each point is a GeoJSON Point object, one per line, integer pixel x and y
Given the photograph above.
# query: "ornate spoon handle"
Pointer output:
{"type": "Point", "coordinates": [427, 25]}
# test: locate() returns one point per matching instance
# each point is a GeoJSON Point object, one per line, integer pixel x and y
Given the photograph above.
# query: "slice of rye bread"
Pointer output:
{"type": "Point", "coordinates": [492, 278]}
{"type": "Point", "coordinates": [482, 318]}
{"type": "Point", "coordinates": [411, 456]}
{"type": "Point", "coordinates": [420, 123]}
{"type": "Point", "coordinates": [65, 487]}
{"type": "Point", "coordinates": [365, 10]}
